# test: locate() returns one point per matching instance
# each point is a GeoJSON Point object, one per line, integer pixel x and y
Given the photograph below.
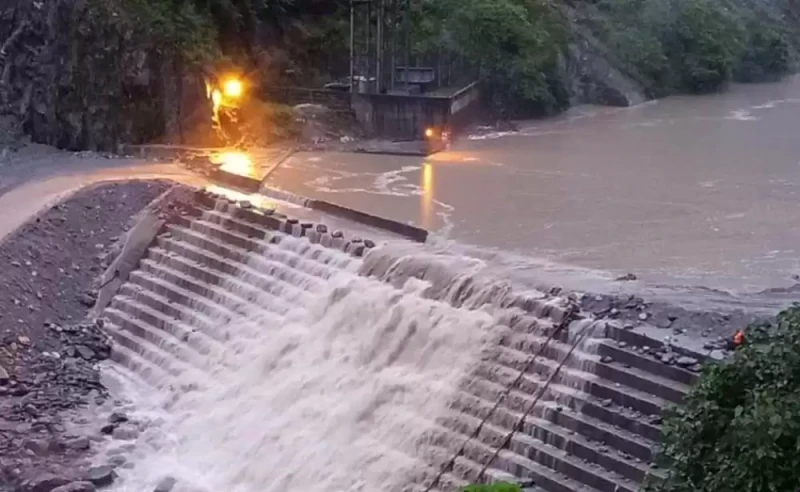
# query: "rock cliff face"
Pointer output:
{"type": "Point", "coordinates": [77, 76]}
{"type": "Point", "coordinates": [592, 78]}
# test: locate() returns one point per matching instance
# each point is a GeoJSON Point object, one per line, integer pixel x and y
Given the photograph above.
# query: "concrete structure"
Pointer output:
{"type": "Point", "coordinates": [406, 117]}
{"type": "Point", "coordinates": [396, 115]}
{"type": "Point", "coordinates": [563, 402]}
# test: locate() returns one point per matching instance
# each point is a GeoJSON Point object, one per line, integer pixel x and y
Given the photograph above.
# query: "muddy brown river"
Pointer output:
{"type": "Point", "coordinates": [694, 191]}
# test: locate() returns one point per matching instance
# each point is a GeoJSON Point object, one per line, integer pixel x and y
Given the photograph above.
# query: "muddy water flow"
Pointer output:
{"type": "Point", "coordinates": [300, 367]}
{"type": "Point", "coordinates": [686, 191]}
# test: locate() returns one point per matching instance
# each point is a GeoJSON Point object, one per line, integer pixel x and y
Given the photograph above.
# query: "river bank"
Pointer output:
{"type": "Point", "coordinates": [49, 350]}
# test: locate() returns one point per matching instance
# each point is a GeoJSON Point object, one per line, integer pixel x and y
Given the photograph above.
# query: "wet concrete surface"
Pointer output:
{"type": "Point", "coordinates": [688, 191]}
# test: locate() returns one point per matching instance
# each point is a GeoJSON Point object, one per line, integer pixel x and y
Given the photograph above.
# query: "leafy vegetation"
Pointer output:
{"type": "Point", "coordinates": [524, 50]}
{"type": "Point", "coordinates": [495, 487]}
{"type": "Point", "coordinates": [739, 428]}
{"type": "Point", "coordinates": [695, 45]}
{"type": "Point", "coordinates": [513, 46]}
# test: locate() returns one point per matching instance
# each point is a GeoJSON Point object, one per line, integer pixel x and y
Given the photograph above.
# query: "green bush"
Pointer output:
{"type": "Point", "coordinates": [495, 487]}
{"type": "Point", "coordinates": [705, 45]}
{"type": "Point", "coordinates": [513, 44]}
{"type": "Point", "coordinates": [767, 55]}
{"type": "Point", "coordinates": [739, 428]}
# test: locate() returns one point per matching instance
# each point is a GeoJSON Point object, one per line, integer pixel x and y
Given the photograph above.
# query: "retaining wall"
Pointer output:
{"type": "Point", "coordinates": [393, 116]}
{"type": "Point", "coordinates": [405, 117]}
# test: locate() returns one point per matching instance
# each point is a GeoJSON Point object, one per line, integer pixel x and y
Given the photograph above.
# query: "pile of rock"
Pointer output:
{"type": "Point", "coordinates": [631, 312]}
{"type": "Point", "coordinates": [33, 401]}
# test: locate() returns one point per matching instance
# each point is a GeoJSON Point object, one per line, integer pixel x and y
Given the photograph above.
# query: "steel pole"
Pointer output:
{"type": "Point", "coordinates": [352, 50]}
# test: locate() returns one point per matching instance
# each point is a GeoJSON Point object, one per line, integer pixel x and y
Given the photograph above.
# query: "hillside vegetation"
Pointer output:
{"type": "Point", "coordinates": [91, 74]}
{"type": "Point", "coordinates": [739, 428]}
{"type": "Point", "coordinates": [522, 49]}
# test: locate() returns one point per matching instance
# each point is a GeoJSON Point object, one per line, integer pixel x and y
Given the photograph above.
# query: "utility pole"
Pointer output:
{"type": "Point", "coordinates": [379, 47]}
{"type": "Point", "coordinates": [352, 50]}
{"type": "Point", "coordinates": [368, 50]}
{"type": "Point", "coordinates": [407, 40]}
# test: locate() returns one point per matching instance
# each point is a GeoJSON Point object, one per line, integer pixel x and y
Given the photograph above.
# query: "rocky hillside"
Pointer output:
{"type": "Point", "coordinates": [80, 74]}
{"type": "Point", "coordinates": [91, 74]}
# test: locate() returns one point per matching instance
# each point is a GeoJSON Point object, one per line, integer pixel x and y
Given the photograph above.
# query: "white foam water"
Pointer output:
{"type": "Point", "coordinates": [327, 381]}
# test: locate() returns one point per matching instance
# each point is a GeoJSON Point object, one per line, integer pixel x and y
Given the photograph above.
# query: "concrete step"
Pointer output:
{"type": "Point", "coordinates": [437, 456]}
{"type": "Point", "coordinates": [273, 283]}
{"type": "Point", "coordinates": [203, 293]}
{"type": "Point", "coordinates": [597, 431]}
{"type": "Point", "coordinates": [130, 359]}
{"type": "Point", "coordinates": [580, 380]}
{"type": "Point", "coordinates": [492, 380]}
{"type": "Point", "coordinates": [301, 271]}
{"type": "Point", "coordinates": [185, 299]}
{"type": "Point", "coordinates": [250, 222]}
{"type": "Point", "coordinates": [532, 330]}
{"type": "Point", "coordinates": [174, 311]}
{"type": "Point", "coordinates": [533, 450]}
{"type": "Point", "coordinates": [536, 426]}
{"type": "Point", "coordinates": [631, 338]}
{"type": "Point", "coordinates": [548, 416]}
{"type": "Point", "coordinates": [647, 382]}
{"type": "Point", "coordinates": [169, 328]}
{"type": "Point", "coordinates": [245, 294]}
{"type": "Point", "coordinates": [146, 350]}
{"type": "Point", "coordinates": [650, 383]}
{"type": "Point", "coordinates": [638, 358]}
{"type": "Point", "coordinates": [311, 258]}
{"type": "Point", "coordinates": [239, 220]}
{"type": "Point", "coordinates": [476, 453]}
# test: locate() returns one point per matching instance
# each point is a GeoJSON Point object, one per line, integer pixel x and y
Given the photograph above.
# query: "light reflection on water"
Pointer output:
{"type": "Point", "coordinates": [618, 189]}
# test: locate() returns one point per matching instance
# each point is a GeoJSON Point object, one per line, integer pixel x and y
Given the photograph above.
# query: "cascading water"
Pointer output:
{"type": "Point", "coordinates": [323, 379]}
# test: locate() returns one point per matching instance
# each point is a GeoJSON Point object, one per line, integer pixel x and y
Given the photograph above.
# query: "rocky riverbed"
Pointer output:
{"type": "Point", "coordinates": [48, 349]}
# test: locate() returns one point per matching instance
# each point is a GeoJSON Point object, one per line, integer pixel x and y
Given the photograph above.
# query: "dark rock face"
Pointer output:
{"type": "Point", "coordinates": [592, 78]}
{"type": "Point", "coordinates": [77, 77]}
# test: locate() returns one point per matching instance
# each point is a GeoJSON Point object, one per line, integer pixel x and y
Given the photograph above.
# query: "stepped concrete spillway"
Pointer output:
{"type": "Point", "coordinates": [293, 357]}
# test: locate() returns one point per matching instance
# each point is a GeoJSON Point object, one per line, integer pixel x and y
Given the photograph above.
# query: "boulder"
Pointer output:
{"type": "Point", "coordinates": [118, 418]}
{"type": "Point", "coordinates": [79, 443]}
{"type": "Point", "coordinates": [76, 487]}
{"type": "Point", "coordinates": [101, 476]}
{"type": "Point", "coordinates": [43, 483]}
{"type": "Point", "coordinates": [165, 485]}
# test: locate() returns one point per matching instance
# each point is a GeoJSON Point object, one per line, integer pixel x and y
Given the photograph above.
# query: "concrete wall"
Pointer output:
{"type": "Point", "coordinates": [394, 116]}
{"type": "Point", "coordinates": [400, 116]}
{"type": "Point", "coordinates": [465, 107]}
{"type": "Point", "coordinates": [405, 117]}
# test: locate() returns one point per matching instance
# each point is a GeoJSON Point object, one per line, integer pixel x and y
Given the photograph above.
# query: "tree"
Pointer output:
{"type": "Point", "coordinates": [705, 45]}
{"type": "Point", "coordinates": [514, 44]}
{"type": "Point", "coordinates": [739, 428]}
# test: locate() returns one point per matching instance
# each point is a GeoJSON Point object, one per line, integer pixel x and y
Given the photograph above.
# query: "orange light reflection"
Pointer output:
{"type": "Point", "coordinates": [235, 163]}
{"type": "Point", "coordinates": [426, 197]}
{"type": "Point", "coordinates": [233, 88]}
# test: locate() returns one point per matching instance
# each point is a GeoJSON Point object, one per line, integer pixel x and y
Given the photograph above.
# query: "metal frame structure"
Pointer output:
{"type": "Point", "coordinates": [380, 36]}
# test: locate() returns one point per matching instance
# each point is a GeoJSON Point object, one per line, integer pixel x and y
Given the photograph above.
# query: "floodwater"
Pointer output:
{"type": "Point", "coordinates": [693, 191]}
